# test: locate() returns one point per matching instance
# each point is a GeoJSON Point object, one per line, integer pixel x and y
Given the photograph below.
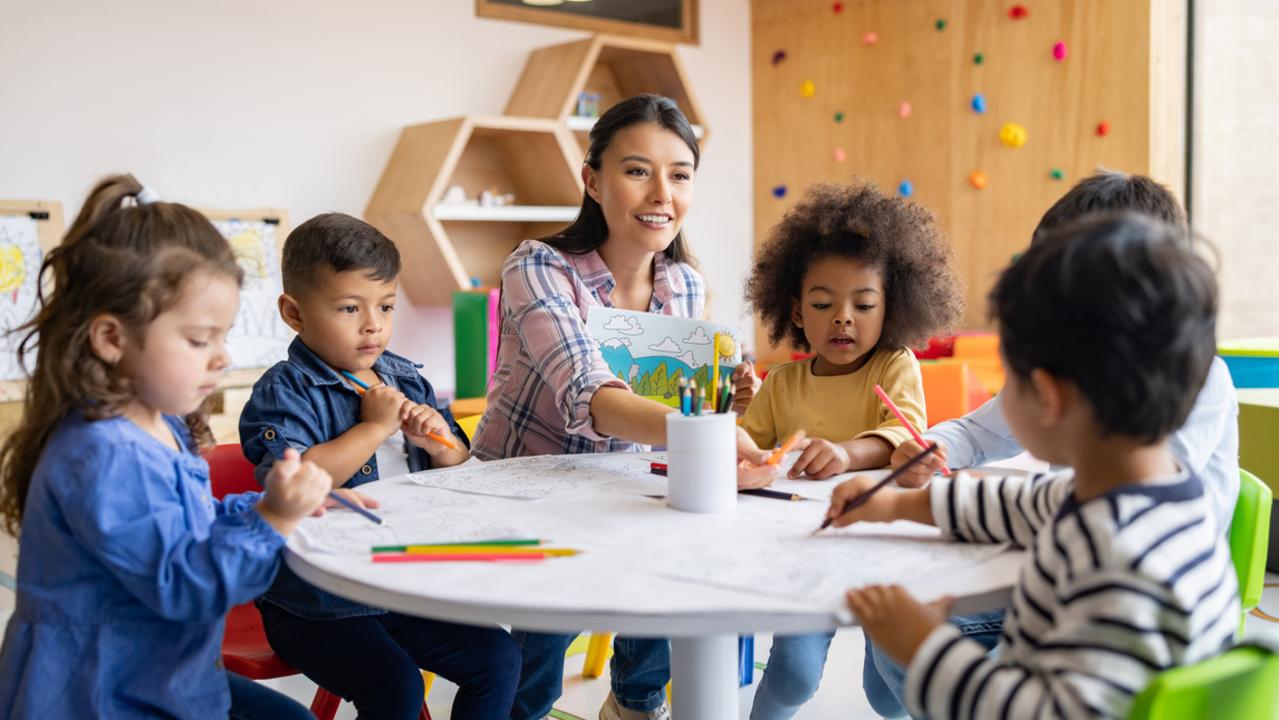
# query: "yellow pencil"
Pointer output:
{"type": "Point", "coordinates": [715, 379]}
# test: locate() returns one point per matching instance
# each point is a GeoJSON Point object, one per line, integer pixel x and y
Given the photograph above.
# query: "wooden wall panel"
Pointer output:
{"type": "Point", "coordinates": [1114, 66]}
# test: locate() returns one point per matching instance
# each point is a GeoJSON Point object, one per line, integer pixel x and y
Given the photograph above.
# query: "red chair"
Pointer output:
{"type": "Point", "coordinates": [244, 646]}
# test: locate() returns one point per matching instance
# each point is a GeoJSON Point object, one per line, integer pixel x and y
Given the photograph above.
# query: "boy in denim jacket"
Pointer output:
{"type": "Point", "coordinates": [340, 278]}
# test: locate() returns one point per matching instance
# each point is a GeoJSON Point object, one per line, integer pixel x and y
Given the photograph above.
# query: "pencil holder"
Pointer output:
{"type": "Point", "coordinates": [701, 462]}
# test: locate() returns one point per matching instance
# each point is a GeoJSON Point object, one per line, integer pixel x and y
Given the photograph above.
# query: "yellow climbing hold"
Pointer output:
{"type": "Point", "coordinates": [807, 89]}
{"type": "Point", "coordinates": [1012, 135]}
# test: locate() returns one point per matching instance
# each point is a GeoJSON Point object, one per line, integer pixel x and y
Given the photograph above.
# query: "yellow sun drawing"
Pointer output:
{"type": "Point", "coordinates": [248, 250]}
{"type": "Point", "coordinates": [13, 269]}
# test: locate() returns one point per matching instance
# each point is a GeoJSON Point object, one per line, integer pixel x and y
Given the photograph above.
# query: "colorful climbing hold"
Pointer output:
{"type": "Point", "coordinates": [779, 191]}
{"type": "Point", "coordinates": [807, 89]}
{"type": "Point", "coordinates": [1103, 129]}
{"type": "Point", "coordinates": [840, 155]}
{"type": "Point", "coordinates": [1059, 51]}
{"type": "Point", "coordinates": [1012, 135]}
{"type": "Point", "coordinates": [778, 56]}
{"type": "Point", "coordinates": [837, 7]}
{"type": "Point", "coordinates": [1018, 12]}
{"type": "Point", "coordinates": [979, 103]}
{"type": "Point", "coordinates": [978, 59]}
{"type": "Point", "coordinates": [903, 110]}
{"type": "Point", "coordinates": [870, 38]}
{"type": "Point", "coordinates": [1056, 174]}
{"type": "Point", "coordinates": [977, 179]}
{"type": "Point", "coordinates": [940, 24]}
{"type": "Point", "coordinates": [906, 188]}
{"type": "Point", "coordinates": [839, 117]}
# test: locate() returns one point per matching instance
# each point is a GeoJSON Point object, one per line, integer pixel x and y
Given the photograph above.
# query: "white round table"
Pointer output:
{"type": "Point", "coordinates": [620, 583]}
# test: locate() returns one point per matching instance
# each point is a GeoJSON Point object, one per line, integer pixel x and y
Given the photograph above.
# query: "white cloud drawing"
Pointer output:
{"type": "Point", "coordinates": [698, 337]}
{"type": "Point", "coordinates": [688, 359]}
{"type": "Point", "coordinates": [616, 342]}
{"type": "Point", "coordinates": [624, 324]}
{"type": "Point", "coordinates": [667, 345]}
{"type": "Point", "coordinates": [634, 373]}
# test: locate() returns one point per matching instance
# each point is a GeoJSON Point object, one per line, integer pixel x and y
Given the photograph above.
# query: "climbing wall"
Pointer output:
{"type": "Point", "coordinates": [985, 112]}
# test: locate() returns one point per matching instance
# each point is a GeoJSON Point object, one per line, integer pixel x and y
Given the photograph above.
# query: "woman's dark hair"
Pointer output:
{"type": "Point", "coordinates": [589, 231]}
{"type": "Point", "coordinates": [922, 292]}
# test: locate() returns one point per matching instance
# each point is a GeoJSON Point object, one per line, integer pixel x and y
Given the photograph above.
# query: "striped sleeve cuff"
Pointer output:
{"type": "Point", "coordinates": [938, 675]}
{"type": "Point", "coordinates": [580, 421]}
{"type": "Point", "coordinates": [941, 495]}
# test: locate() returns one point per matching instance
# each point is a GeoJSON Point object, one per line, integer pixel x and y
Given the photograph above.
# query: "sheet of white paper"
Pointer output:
{"type": "Point", "coordinates": [410, 515]}
{"type": "Point", "coordinates": [544, 476]}
{"type": "Point", "coordinates": [20, 258]}
{"type": "Point", "coordinates": [796, 564]}
{"type": "Point", "coordinates": [259, 338]}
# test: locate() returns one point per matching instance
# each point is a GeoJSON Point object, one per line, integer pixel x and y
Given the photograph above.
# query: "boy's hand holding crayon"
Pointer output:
{"type": "Point", "coordinates": [383, 405]}
{"type": "Point", "coordinates": [895, 620]}
{"type": "Point", "coordinates": [294, 489]}
{"type": "Point", "coordinates": [426, 428]}
{"type": "Point", "coordinates": [921, 473]}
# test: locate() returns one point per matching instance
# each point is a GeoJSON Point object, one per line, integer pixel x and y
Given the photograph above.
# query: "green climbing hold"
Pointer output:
{"type": "Point", "coordinates": [978, 58]}
{"type": "Point", "coordinates": [940, 24]}
{"type": "Point", "coordinates": [1057, 174]}
{"type": "Point", "coordinates": [839, 117]}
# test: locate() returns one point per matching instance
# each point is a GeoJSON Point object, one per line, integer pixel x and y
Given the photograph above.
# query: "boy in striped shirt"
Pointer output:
{"type": "Point", "coordinates": [1107, 330]}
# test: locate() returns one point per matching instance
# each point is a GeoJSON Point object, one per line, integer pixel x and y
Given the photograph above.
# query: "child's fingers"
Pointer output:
{"type": "Point", "coordinates": [806, 458]}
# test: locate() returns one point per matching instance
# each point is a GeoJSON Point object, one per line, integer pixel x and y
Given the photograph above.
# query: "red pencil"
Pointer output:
{"type": "Point", "coordinates": [457, 557]}
{"type": "Point", "coordinates": [905, 423]}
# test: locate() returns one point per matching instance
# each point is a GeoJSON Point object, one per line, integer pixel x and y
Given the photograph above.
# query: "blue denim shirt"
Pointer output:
{"type": "Point", "coordinates": [127, 567]}
{"type": "Point", "coordinates": [300, 403]}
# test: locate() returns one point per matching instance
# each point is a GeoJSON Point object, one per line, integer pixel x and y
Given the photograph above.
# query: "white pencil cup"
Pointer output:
{"type": "Point", "coordinates": [701, 462]}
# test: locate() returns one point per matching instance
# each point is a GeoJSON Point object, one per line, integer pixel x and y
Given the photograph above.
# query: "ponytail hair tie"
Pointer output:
{"type": "Point", "coordinates": [146, 195]}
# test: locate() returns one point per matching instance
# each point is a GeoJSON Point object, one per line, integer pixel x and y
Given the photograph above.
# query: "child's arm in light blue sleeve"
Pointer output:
{"type": "Point", "coordinates": [237, 503]}
{"type": "Point", "coordinates": [982, 436]}
{"type": "Point", "coordinates": [137, 521]}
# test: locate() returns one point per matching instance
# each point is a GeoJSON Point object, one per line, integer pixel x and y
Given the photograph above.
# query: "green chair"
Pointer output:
{"type": "Point", "coordinates": [1249, 539]}
{"type": "Point", "coordinates": [1241, 683]}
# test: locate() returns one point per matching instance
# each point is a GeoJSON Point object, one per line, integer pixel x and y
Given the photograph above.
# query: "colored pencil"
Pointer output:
{"type": "Point", "coordinates": [775, 494]}
{"type": "Point", "coordinates": [698, 402]}
{"type": "Point", "coordinates": [715, 370]}
{"type": "Point", "coordinates": [462, 557]}
{"type": "Point", "coordinates": [357, 508]}
{"type": "Point", "coordinates": [786, 447]}
{"type": "Point", "coordinates": [725, 399]}
{"type": "Point", "coordinates": [860, 500]}
{"type": "Point", "coordinates": [362, 387]}
{"type": "Point", "coordinates": [516, 542]}
{"type": "Point", "coordinates": [529, 552]}
{"type": "Point", "coordinates": [905, 423]}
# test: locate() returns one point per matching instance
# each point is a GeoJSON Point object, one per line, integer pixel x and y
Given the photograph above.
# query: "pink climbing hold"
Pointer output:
{"type": "Point", "coordinates": [840, 155]}
{"type": "Point", "coordinates": [870, 38]}
{"type": "Point", "coordinates": [1059, 51]}
{"type": "Point", "coordinates": [903, 110]}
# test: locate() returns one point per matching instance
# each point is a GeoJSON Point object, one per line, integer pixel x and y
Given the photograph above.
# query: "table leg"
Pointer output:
{"type": "Point", "coordinates": [704, 678]}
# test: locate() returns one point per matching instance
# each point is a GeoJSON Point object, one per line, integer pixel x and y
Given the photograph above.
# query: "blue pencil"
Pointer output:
{"type": "Point", "coordinates": [363, 385]}
{"type": "Point", "coordinates": [357, 508]}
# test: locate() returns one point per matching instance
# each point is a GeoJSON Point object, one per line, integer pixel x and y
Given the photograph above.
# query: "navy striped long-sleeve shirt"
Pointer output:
{"type": "Point", "coordinates": [1114, 590]}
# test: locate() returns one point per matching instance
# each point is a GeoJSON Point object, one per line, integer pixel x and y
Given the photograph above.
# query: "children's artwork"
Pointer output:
{"type": "Point", "coordinates": [652, 353]}
{"type": "Point", "coordinates": [259, 337]}
{"type": "Point", "coordinates": [20, 259]}
{"type": "Point", "coordinates": [542, 476]}
{"type": "Point", "coordinates": [410, 516]}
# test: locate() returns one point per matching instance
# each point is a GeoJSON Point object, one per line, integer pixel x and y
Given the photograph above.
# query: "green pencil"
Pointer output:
{"type": "Point", "coordinates": [517, 542]}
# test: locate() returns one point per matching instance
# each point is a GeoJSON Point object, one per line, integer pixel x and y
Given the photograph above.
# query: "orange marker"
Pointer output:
{"type": "Point", "coordinates": [906, 424]}
{"type": "Point", "coordinates": [786, 447]}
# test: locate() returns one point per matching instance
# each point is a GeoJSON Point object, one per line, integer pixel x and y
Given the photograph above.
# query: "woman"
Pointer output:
{"type": "Point", "coordinates": [552, 392]}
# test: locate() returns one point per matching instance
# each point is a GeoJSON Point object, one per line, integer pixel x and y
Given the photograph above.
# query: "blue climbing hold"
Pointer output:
{"type": "Point", "coordinates": [979, 103]}
{"type": "Point", "coordinates": [779, 191]}
{"type": "Point", "coordinates": [906, 188]}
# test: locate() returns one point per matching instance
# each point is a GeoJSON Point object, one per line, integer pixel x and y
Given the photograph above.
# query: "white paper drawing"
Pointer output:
{"type": "Point", "coordinates": [538, 477]}
{"type": "Point", "coordinates": [259, 337]}
{"type": "Point", "coordinates": [20, 258]}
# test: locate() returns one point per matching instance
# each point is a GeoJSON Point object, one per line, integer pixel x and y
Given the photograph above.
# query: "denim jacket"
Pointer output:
{"type": "Point", "coordinates": [302, 402]}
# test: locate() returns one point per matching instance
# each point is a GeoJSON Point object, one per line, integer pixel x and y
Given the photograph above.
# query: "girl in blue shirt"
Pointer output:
{"type": "Point", "coordinates": [127, 564]}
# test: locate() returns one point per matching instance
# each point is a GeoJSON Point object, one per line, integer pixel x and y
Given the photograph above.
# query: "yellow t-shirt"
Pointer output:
{"type": "Point", "coordinates": [838, 407]}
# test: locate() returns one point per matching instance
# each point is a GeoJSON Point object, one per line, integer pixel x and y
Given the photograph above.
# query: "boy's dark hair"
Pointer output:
{"type": "Point", "coordinates": [902, 239]}
{"type": "Point", "coordinates": [1112, 191]}
{"type": "Point", "coordinates": [1122, 307]}
{"type": "Point", "coordinates": [339, 242]}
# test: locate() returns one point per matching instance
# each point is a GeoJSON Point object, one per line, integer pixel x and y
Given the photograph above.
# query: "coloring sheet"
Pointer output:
{"type": "Point", "coordinates": [652, 352]}
{"type": "Point", "coordinates": [20, 258]}
{"type": "Point", "coordinates": [543, 476]}
{"type": "Point", "coordinates": [799, 565]}
{"type": "Point", "coordinates": [410, 516]}
{"type": "Point", "coordinates": [259, 337]}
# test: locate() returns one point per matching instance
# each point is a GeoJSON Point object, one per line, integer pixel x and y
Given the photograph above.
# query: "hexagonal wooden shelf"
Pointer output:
{"type": "Point", "coordinates": [612, 66]}
{"type": "Point", "coordinates": [444, 246]}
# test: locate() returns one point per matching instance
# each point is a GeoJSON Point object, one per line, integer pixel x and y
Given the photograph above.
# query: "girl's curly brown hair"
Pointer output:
{"type": "Point", "coordinates": [902, 239]}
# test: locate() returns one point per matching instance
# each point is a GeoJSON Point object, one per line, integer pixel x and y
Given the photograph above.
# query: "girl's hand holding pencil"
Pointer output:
{"type": "Point", "coordinates": [879, 507]}
{"type": "Point", "coordinates": [352, 497]}
{"type": "Point", "coordinates": [294, 489]}
{"type": "Point", "coordinates": [921, 473]}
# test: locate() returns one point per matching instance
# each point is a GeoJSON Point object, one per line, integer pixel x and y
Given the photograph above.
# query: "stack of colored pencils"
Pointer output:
{"type": "Point", "coordinates": [516, 550]}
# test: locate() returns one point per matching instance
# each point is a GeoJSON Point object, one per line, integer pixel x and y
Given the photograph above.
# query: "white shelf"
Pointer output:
{"type": "Point", "coordinates": [507, 213]}
{"type": "Point", "coordinates": [578, 123]}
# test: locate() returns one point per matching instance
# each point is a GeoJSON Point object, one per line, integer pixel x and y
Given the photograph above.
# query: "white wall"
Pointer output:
{"type": "Point", "coordinates": [295, 104]}
{"type": "Point", "coordinates": [1235, 168]}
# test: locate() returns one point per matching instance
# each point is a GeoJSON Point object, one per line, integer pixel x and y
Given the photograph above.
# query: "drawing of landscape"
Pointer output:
{"type": "Point", "coordinates": [407, 519]}
{"type": "Point", "coordinates": [651, 353]}
{"type": "Point", "coordinates": [259, 337]}
{"type": "Point", "coordinates": [537, 477]}
{"type": "Point", "coordinates": [20, 259]}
